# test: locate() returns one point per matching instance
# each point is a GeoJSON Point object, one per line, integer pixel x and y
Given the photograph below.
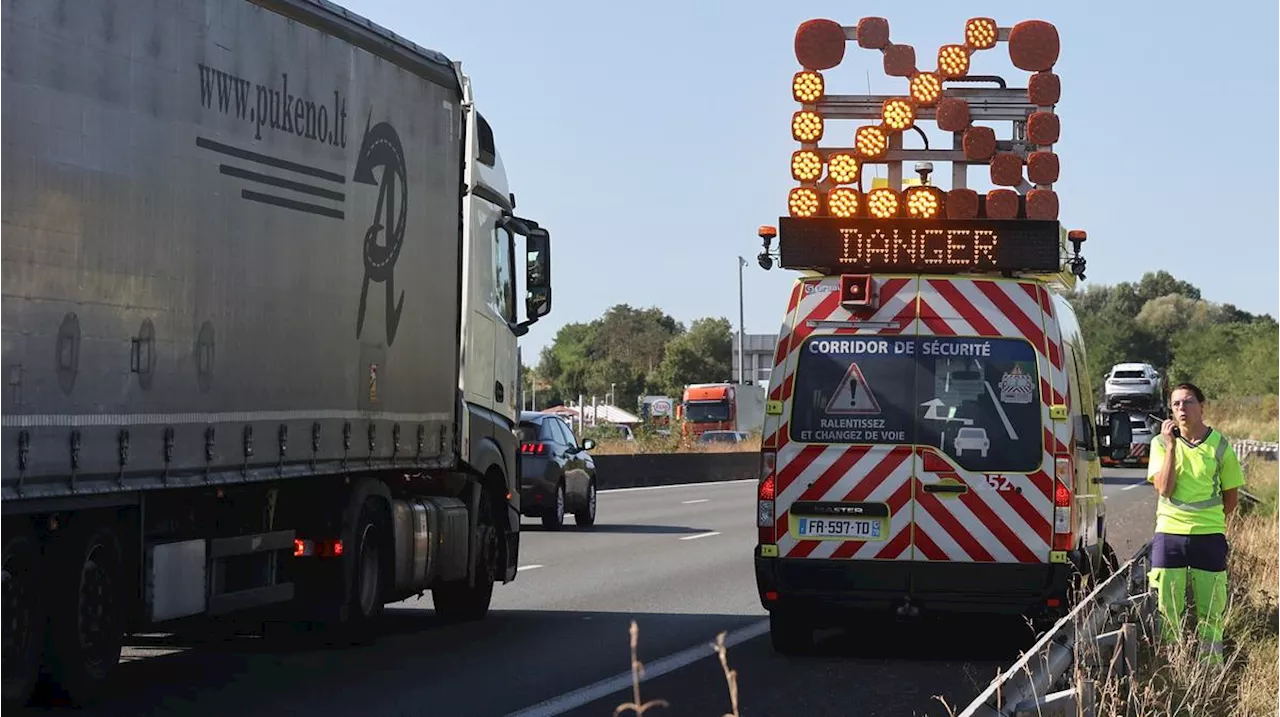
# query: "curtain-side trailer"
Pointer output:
{"type": "Point", "coordinates": [259, 326]}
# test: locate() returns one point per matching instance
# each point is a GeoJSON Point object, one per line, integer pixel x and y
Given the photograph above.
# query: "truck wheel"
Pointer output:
{"type": "Point", "coordinates": [789, 633]}
{"type": "Point", "coordinates": [23, 617]}
{"type": "Point", "coordinates": [368, 576]}
{"type": "Point", "coordinates": [587, 516]}
{"type": "Point", "coordinates": [457, 601]}
{"type": "Point", "coordinates": [86, 614]}
{"type": "Point", "coordinates": [554, 519]}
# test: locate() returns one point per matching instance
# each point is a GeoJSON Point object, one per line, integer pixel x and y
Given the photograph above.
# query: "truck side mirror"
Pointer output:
{"type": "Point", "coordinates": [1120, 431]}
{"type": "Point", "coordinates": [537, 301]}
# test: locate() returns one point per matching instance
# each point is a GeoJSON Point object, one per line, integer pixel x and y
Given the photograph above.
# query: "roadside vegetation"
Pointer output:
{"type": "Point", "coordinates": [646, 441]}
{"type": "Point", "coordinates": [1174, 683]}
{"type": "Point", "coordinates": [1245, 417]}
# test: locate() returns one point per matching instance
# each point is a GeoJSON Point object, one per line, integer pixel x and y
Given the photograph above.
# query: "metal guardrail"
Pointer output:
{"type": "Point", "coordinates": [1100, 635]}
{"type": "Point", "coordinates": [1266, 450]}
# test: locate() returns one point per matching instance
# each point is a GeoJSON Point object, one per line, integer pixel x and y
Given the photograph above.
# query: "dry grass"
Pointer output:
{"type": "Point", "coordinates": [1240, 418]}
{"type": "Point", "coordinates": [639, 707]}
{"type": "Point", "coordinates": [1173, 681]}
{"type": "Point", "coordinates": [647, 442]}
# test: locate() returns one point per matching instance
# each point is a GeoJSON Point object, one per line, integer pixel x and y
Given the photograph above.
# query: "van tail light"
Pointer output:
{"type": "Point", "coordinates": [533, 449]}
{"type": "Point", "coordinates": [766, 494]}
{"type": "Point", "coordinates": [1063, 505]}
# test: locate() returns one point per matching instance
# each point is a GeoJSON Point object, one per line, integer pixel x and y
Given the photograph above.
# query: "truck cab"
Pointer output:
{"type": "Point", "coordinates": [721, 407]}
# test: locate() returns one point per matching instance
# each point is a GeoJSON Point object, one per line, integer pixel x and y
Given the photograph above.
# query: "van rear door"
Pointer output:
{"type": "Point", "coordinates": [984, 382]}
{"type": "Point", "coordinates": [842, 424]}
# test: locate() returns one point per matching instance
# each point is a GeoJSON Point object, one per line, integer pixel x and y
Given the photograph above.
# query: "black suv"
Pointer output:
{"type": "Point", "coordinates": [557, 475]}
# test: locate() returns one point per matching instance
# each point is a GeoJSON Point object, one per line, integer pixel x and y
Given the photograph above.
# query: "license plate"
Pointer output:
{"type": "Point", "coordinates": [839, 528]}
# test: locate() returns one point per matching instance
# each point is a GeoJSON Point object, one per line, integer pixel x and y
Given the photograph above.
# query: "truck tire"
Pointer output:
{"type": "Point", "coordinates": [789, 633]}
{"type": "Point", "coordinates": [86, 611]}
{"type": "Point", "coordinates": [370, 557]}
{"type": "Point", "coordinates": [553, 519]}
{"type": "Point", "coordinates": [24, 622]}
{"type": "Point", "coordinates": [458, 600]}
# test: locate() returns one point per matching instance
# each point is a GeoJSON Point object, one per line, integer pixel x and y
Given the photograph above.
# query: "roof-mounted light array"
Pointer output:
{"type": "Point", "coordinates": [820, 45]}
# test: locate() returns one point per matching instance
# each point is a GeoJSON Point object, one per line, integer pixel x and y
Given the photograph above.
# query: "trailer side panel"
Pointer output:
{"type": "Point", "coordinates": [231, 242]}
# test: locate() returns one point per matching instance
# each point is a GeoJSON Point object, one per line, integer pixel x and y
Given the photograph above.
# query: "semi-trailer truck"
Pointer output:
{"type": "Point", "coordinates": [721, 407]}
{"type": "Point", "coordinates": [260, 316]}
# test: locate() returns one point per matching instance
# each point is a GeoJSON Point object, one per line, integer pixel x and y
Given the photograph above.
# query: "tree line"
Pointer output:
{"type": "Point", "coordinates": [634, 352]}
{"type": "Point", "coordinates": [1165, 321]}
{"type": "Point", "coordinates": [1159, 319]}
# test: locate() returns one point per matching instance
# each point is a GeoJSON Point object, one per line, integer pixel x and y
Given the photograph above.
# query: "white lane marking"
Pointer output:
{"type": "Point", "coordinates": [709, 484]}
{"type": "Point", "coordinates": [691, 502]}
{"type": "Point", "coordinates": [529, 567]}
{"type": "Point", "coordinates": [701, 535]}
{"type": "Point", "coordinates": [622, 681]}
{"type": "Point", "coordinates": [1135, 485]}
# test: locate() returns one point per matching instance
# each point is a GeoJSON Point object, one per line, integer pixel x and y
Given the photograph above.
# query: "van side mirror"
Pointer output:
{"type": "Point", "coordinates": [1088, 439]}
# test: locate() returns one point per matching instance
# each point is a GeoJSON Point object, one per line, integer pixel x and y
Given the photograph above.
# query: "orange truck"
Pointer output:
{"type": "Point", "coordinates": [721, 407]}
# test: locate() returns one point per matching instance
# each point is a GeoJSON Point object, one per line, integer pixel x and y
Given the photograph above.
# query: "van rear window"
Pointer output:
{"type": "Point", "coordinates": [976, 399]}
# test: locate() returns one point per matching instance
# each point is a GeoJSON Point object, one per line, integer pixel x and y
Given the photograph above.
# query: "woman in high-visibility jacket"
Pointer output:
{"type": "Point", "coordinates": [1196, 474]}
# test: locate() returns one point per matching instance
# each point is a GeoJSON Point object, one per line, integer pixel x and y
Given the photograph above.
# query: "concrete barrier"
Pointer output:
{"type": "Point", "coordinates": [646, 469]}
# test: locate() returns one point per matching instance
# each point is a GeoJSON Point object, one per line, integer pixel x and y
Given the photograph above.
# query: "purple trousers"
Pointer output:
{"type": "Point", "coordinates": [1202, 552]}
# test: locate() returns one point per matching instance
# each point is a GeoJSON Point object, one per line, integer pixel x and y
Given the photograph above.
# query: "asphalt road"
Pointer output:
{"type": "Point", "coordinates": [674, 559]}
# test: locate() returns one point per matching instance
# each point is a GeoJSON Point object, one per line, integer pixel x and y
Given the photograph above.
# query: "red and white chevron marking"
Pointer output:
{"type": "Point", "coordinates": [851, 474]}
{"type": "Point", "coordinates": [996, 308]}
{"type": "Point", "coordinates": [818, 299]}
{"type": "Point", "coordinates": [1016, 525]}
{"type": "Point", "coordinates": [985, 524]}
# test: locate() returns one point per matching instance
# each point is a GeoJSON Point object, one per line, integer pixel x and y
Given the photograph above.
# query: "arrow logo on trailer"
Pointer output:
{"type": "Point", "coordinates": [853, 395]}
{"type": "Point", "coordinates": [381, 148]}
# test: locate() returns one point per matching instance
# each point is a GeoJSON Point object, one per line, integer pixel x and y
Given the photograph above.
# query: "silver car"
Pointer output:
{"type": "Point", "coordinates": [1133, 384]}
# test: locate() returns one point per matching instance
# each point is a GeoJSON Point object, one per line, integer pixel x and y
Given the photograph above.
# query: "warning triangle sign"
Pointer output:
{"type": "Point", "coordinates": [853, 395]}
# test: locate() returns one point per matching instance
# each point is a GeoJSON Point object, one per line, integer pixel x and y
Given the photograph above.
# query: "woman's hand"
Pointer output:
{"type": "Point", "coordinates": [1166, 430]}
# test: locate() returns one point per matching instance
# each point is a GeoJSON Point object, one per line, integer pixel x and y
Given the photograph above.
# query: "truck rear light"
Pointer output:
{"type": "Point", "coordinates": [1063, 505]}
{"type": "Point", "coordinates": [317, 548]}
{"type": "Point", "coordinates": [533, 449]}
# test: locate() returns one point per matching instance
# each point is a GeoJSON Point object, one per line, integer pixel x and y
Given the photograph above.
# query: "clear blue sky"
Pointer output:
{"type": "Point", "coordinates": [652, 139]}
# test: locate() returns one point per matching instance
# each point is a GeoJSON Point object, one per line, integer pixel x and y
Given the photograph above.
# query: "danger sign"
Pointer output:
{"type": "Point", "coordinates": [853, 395]}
